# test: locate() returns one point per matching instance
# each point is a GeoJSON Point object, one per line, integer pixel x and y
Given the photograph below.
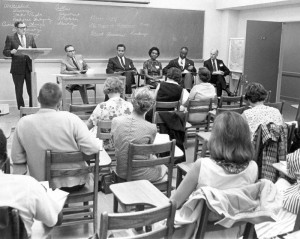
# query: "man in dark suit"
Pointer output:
{"type": "Point", "coordinates": [186, 66]}
{"type": "Point", "coordinates": [21, 65]}
{"type": "Point", "coordinates": [218, 72]}
{"type": "Point", "coordinates": [122, 64]}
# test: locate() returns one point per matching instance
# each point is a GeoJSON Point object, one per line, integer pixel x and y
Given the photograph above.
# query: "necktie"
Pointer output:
{"type": "Point", "coordinates": [75, 63]}
{"type": "Point", "coordinates": [214, 66]}
{"type": "Point", "coordinates": [181, 63]}
{"type": "Point", "coordinates": [22, 41]}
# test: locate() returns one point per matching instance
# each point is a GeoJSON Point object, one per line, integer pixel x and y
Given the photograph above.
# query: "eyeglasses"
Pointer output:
{"type": "Point", "coordinates": [23, 28]}
{"type": "Point", "coordinates": [71, 51]}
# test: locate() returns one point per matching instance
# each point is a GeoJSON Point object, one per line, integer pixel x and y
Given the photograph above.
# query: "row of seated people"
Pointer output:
{"type": "Point", "coordinates": [236, 169]}
{"type": "Point", "coordinates": [47, 122]}
{"type": "Point", "coordinates": [153, 71]}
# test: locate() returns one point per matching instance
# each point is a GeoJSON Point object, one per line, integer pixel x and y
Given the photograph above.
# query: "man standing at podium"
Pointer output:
{"type": "Point", "coordinates": [21, 65]}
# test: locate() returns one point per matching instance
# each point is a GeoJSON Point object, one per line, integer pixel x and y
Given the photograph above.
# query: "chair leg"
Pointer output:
{"type": "Point", "coordinates": [115, 204]}
{"type": "Point", "coordinates": [71, 97]}
{"type": "Point", "coordinates": [95, 96]}
{"type": "Point", "coordinates": [178, 177]}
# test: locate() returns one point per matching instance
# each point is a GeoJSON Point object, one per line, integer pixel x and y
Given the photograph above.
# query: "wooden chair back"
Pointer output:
{"type": "Point", "coordinates": [239, 110]}
{"type": "Point", "coordinates": [164, 156]}
{"type": "Point", "coordinates": [103, 132]}
{"type": "Point", "coordinates": [277, 105]}
{"type": "Point", "coordinates": [205, 225]}
{"type": "Point", "coordinates": [11, 224]}
{"type": "Point", "coordinates": [168, 106]}
{"type": "Point", "coordinates": [231, 101]}
{"type": "Point", "coordinates": [28, 110]}
{"type": "Point", "coordinates": [201, 110]}
{"type": "Point", "coordinates": [74, 213]}
{"type": "Point", "coordinates": [83, 111]}
{"type": "Point", "coordinates": [118, 221]}
{"type": "Point", "coordinates": [103, 129]}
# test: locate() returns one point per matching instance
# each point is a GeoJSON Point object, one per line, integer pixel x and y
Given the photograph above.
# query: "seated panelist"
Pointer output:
{"type": "Point", "coordinates": [124, 65]}
{"type": "Point", "coordinates": [153, 68]}
{"type": "Point", "coordinates": [186, 66]}
{"type": "Point", "coordinates": [75, 64]}
{"type": "Point", "coordinates": [218, 72]}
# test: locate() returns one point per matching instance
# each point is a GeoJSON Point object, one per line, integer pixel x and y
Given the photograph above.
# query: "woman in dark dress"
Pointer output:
{"type": "Point", "coordinates": [169, 90]}
{"type": "Point", "coordinates": [153, 68]}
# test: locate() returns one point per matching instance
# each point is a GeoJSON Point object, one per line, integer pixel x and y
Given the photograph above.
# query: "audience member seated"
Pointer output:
{"type": "Point", "coordinates": [290, 201]}
{"type": "Point", "coordinates": [74, 64]}
{"type": "Point", "coordinates": [123, 65]}
{"type": "Point", "coordinates": [229, 166]}
{"type": "Point", "coordinates": [169, 90]}
{"type": "Point", "coordinates": [28, 196]}
{"type": "Point", "coordinates": [186, 66]}
{"type": "Point", "coordinates": [51, 129]}
{"type": "Point", "coordinates": [259, 113]}
{"type": "Point", "coordinates": [153, 68]}
{"type": "Point", "coordinates": [134, 128]}
{"type": "Point", "coordinates": [201, 92]}
{"type": "Point", "coordinates": [115, 106]}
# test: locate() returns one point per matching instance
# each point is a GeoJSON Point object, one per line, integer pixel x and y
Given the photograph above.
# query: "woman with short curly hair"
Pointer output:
{"type": "Point", "coordinates": [259, 113]}
{"type": "Point", "coordinates": [153, 68]}
{"type": "Point", "coordinates": [134, 128]}
{"type": "Point", "coordinates": [115, 106]}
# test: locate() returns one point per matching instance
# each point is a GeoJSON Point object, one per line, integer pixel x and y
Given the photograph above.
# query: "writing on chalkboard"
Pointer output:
{"type": "Point", "coordinates": [113, 27]}
{"type": "Point", "coordinates": [37, 21]}
{"type": "Point", "coordinates": [95, 30]}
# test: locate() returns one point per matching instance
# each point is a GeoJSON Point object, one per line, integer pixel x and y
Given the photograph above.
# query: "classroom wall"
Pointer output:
{"type": "Point", "coordinates": [46, 70]}
{"type": "Point", "coordinates": [288, 13]}
{"type": "Point", "coordinates": [219, 26]}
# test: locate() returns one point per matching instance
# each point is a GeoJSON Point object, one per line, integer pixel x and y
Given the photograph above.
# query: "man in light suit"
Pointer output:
{"type": "Point", "coordinates": [21, 65]}
{"type": "Point", "coordinates": [186, 66]}
{"type": "Point", "coordinates": [218, 72]}
{"type": "Point", "coordinates": [75, 64]}
{"type": "Point", "coordinates": [122, 64]}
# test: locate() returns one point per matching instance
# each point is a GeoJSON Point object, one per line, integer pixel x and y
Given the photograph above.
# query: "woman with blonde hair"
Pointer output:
{"type": "Point", "coordinates": [230, 164]}
{"type": "Point", "coordinates": [134, 128]}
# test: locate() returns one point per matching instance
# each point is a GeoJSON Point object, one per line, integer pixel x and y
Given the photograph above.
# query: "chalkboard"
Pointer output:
{"type": "Point", "coordinates": [95, 30]}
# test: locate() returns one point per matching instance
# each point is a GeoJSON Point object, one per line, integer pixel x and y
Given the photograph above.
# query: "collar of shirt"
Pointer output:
{"type": "Point", "coordinates": [120, 59]}
{"type": "Point", "coordinates": [181, 62]}
{"type": "Point", "coordinates": [172, 81]}
{"type": "Point", "coordinates": [20, 38]}
{"type": "Point", "coordinates": [46, 110]}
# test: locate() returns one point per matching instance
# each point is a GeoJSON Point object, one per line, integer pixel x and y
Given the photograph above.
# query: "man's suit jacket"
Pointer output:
{"type": "Point", "coordinates": [174, 63]}
{"type": "Point", "coordinates": [221, 66]}
{"type": "Point", "coordinates": [114, 65]}
{"type": "Point", "coordinates": [18, 62]}
{"type": "Point", "coordinates": [67, 65]}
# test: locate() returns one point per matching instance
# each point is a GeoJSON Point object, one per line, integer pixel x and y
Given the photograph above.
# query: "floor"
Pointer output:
{"type": "Point", "coordinates": [105, 201]}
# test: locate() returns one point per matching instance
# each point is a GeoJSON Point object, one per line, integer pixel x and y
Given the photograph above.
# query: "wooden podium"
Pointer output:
{"type": "Point", "coordinates": [34, 53]}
